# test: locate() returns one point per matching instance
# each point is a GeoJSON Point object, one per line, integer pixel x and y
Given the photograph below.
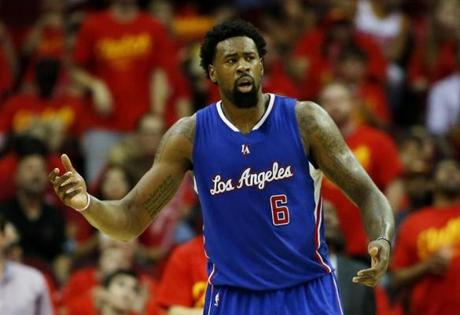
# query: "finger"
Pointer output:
{"type": "Point", "coordinates": [68, 181]}
{"type": "Point", "coordinates": [69, 196]}
{"type": "Point", "coordinates": [364, 279]}
{"type": "Point", "coordinates": [373, 251]}
{"type": "Point", "coordinates": [68, 186]}
{"type": "Point", "coordinates": [71, 189]}
{"type": "Point", "coordinates": [53, 174]}
{"type": "Point", "coordinates": [368, 282]}
{"type": "Point", "coordinates": [66, 162]}
{"type": "Point", "coordinates": [60, 179]}
{"type": "Point", "coordinates": [368, 272]}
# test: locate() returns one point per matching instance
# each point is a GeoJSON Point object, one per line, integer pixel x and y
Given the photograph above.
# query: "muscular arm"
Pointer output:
{"type": "Point", "coordinates": [126, 218]}
{"type": "Point", "coordinates": [325, 145]}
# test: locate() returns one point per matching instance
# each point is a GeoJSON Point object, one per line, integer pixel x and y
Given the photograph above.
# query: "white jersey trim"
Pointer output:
{"type": "Point", "coordinates": [259, 123]}
{"type": "Point", "coordinates": [317, 176]}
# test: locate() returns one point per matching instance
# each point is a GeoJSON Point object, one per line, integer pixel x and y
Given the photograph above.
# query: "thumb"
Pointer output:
{"type": "Point", "coordinates": [66, 162]}
{"type": "Point", "coordinates": [373, 251]}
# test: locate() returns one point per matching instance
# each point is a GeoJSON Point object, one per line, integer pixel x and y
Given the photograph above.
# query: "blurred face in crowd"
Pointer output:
{"type": "Point", "coordinates": [336, 99]}
{"type": "Point", "coordinates": [122, 292]}
{"type": "Point", "coordinates": [31, 175]}
{"type": "Point", "coordinates": [151, 129]}
{"type": "Point", "coordinates": [8, 236]}
{"type": "Point", "coordinates": [238, 71]}
{"type": "Point", "coordinates": [416, 162]}
{"type": "Point", "coordinates": [115, 257]}
{"type": "Point", "coordinates": [447, 13]}
{"type": "Point", "coordinates": [115, 184]}
{"type": "Point", "coordinates": [447, 178]}
{"type": "Point", "coordinates": [341, 32]}
{"type": "Point", "coordinates": [352, 69]}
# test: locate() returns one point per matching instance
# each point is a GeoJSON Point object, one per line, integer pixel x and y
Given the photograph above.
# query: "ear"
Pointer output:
{"type": "Point", "coordinates": [212, 74]}
{"type": "Point", "coordinates": [261, 60]}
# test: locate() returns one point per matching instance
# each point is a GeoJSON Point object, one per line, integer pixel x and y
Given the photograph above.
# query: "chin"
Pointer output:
{"type": "Point", "coordinates": [247, 99]}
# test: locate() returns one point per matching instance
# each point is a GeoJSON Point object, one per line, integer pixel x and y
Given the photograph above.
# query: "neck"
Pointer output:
{"type": "Point", "coordinates": [124, 12]}
{"type": "Point", "coordinates": [31, 204]}
{"type": "Point", "coordinates": [245, 118]}
{"type": "Point", "coordinates": [441, 200]}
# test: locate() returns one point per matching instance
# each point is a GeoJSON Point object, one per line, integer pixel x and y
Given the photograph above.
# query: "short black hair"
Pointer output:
{"type": "Point", "coordinates": [221, 32]}
{"type": "Point", "coordinates": [125, 272]}
{"type": "Point", "coordinates": [28, 145]}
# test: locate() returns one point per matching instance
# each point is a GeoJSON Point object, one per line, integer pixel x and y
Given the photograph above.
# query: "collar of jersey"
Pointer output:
{"type": "Point", "coordinates": [259, 123]}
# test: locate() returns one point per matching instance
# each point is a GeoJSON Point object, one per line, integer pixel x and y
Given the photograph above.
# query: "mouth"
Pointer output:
{"type": "Point", "coordinates": [245, 84]}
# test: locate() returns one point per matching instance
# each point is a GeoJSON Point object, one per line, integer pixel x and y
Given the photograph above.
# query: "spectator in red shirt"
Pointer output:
{"type": "Point", "coordinates": [46, 38]}
{"type": "Point", "coordinates": [377, 154]}
{"type": "Point", "coordinates": [316, 52]}
{"type": "Point", "coordinates": [120, 293]}
{"type": "Point", "coordinates": [119, 56]}
{"type": "Point", "coordinates": [51, 116]}
{"type": "Point", "coordinates": [113, 255]}
{"type": "Point", "coordinates": [426, 260]}
{"type": "Point", "coordinates": [352, 69]}
{"type": "Point", "coordinates": [183, 285]}
{"type": "Point", "coordinates": [434, 56]}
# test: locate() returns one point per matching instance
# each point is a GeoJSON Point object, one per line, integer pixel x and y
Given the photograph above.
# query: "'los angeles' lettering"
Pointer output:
{"type": "Point", "coordinates": [249, 179]}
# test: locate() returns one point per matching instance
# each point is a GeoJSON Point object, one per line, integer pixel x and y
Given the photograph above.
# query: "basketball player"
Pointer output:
{"type": "Point", "coordinates": [257, 159]}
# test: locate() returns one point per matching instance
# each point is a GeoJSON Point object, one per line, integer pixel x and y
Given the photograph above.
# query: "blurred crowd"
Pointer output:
{"type": "Point", "coordinates": [103, 80]}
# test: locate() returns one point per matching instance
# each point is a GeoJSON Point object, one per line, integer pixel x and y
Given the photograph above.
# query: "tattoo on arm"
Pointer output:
{"type": "Point", "coordinates": [185, 127]}
{"type": "Point", "coordinates": [160, 196]}
{"type": "Point", "coordinates": [325, 145]}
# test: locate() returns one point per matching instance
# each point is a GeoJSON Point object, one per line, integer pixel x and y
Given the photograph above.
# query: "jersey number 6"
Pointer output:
{"type": "Point", "coordinates": [280, 211]}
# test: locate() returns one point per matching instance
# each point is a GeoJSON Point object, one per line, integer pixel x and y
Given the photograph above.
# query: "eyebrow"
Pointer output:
{"type": "Point", "coordinates": [236, 54]}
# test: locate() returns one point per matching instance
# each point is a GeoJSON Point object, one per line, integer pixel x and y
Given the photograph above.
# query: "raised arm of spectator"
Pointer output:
{"type": "Point", "coordinates": [126, 218]}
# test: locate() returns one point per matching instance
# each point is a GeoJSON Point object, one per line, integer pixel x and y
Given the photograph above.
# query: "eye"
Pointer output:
{"type": "Point", "coordinates": [250, 58]}
{"type": "Point", "coordinates": [231, 61]}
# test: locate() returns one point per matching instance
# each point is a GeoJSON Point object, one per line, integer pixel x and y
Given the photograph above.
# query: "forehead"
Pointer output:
{"type": "Point", "coordinates": [235, 45]}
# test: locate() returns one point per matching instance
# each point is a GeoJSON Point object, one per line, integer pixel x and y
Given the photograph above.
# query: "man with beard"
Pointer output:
{"type": "Point", "coordinates": [257, 159]}
{"type": "Point", "coordinates": [427, 255]}
{"type": "Point", "coordinates": [40, 225]}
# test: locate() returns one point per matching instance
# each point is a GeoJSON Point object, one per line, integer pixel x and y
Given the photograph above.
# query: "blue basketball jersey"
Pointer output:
{"type": "Point", "coordinates": [261, 202]}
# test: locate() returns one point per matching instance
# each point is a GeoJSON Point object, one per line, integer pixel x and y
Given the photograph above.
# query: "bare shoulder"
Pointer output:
{"type": "Point", "coordinates": [184, 128]}
{"type": "Point", "coordinates": [177, 142]}
{"type": "Point", "coordinates": [309, 114]}
{"type": "Point", "coordinates": [312, 119]}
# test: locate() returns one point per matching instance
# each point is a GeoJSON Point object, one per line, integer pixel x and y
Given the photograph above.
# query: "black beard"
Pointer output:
{"type": "Point", "coordinates": [245, 100]}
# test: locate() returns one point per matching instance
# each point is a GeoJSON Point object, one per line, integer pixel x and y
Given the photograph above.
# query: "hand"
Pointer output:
{"type": "Point", "coordinates": [102, 98]}
{"type": "Point", "coordinates": [439, 262]}
{"type": "Point", "coordinates": [379, 250]}
{"type": "Point", "coordinates": [70, 187]}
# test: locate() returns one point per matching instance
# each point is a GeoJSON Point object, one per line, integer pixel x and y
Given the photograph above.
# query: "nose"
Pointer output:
{"type": "Point", "coordinates": [243, 66]}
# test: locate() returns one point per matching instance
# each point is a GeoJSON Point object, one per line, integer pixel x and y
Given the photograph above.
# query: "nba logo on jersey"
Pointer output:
{"type": "Point", "coordinates": [245, 149]}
